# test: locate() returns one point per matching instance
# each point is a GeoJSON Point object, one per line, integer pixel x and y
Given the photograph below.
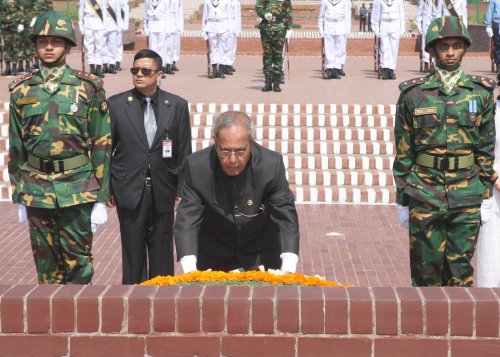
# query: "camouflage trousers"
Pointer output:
{"type": "Point", "coordinates": [12, 46]}
{"type": "Point", "coordinates": [61, 240]}
{"type": "Point", "coordinates": [442, 243]}
{"type": "Point", "coordinates": [272, 46]}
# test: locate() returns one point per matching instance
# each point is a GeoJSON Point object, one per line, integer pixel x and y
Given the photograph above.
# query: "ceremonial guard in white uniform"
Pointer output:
{"type": "Point", "coordinates": [112, 34]}
{"type": "Point", "coordinates": [177, 35]}
{"type": "Point", "coordinates": [216, 27]}
{"type": "Point", "coordinates": [334, 24]}
{"type": "Point", "coordinates": [124, 16]}
{"type": "Point", "coordinates": [427, 11]}
{"type": "Point", "coordinates": [156, 26]}
{"type": "Point", "coordinates": [233, 38]}
{"type": "Point", "coordinates": [457, 8]}
{"type": "Point", "coordinates": [388, 24]}
{"type": "Point", "coordinates": [92, 21]}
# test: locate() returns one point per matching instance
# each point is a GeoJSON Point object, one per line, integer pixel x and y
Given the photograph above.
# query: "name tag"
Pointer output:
{"type": "Point", "coordinates": [425, 111]}
{"type": "Point", "coordinates": [167, 149]}
{"type": "Point", "coordinates": [27, 100]}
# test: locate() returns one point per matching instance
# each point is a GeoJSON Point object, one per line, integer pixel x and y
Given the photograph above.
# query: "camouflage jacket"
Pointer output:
{"type": "Point", "coordinates": [462, 123]}
{"type": "Point", "coordinates": [282, 13]}
{"type": "Point", "coordinates": [71, 121]}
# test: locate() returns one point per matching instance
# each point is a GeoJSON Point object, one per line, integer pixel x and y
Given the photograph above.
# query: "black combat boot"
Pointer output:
{"type": "Point", "coordinates": [335, 73]}
{"type": "Point", "coordinates": [426, 66]}
{"type": "Point", "coordinates": [174, 67]}
{"type": "Point", "coordinates": [276, 82]}
{"type": "Point", "coordinates": [328, 73]}
{"type": "Point", "coordinates": [99, 72]}
{"type": "Point", "coordinates": [7, 71]}
{"type": "Point", "coordinates": [168, 69]}
{"type": "Point", "coordinates": [36, 63]}
{"type": "Point", "coordinates": [269, 84]}
{"type": "Point", "coordinates": [221, 71]}
{"type": "Point", "coordinates": [385, 73]}
{"type": "Point", "coordinates": [112, 69]}
{"type": "Point", "coordinates": [20, 67]}
{"type": "Point", "coordinates": [341, 71]}
{"type": "Point", "coordinates": [92, 69]}
{"type": "Point", "coordinates": [227, 70]}
{"type": "Point", "coordinates": [105, 68]}
{"type": "Point", "coordinates": [392, 74]}
{"type": "Point", "coordinates": [14, 69]}
{"type": "Point", "coordinates": [28, 66]}
{"type": "Point", "coordinates": [118, 66]}
{"type": "Point", "coordinates": [214, 73]}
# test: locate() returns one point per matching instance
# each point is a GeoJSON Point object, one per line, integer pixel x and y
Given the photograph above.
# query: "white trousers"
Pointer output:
{"type": "Point", "coordinates": [157, 43]}
{"type": "Point", "coordinates": [389, 47]}
{"type": "Point", "coordinates": [177, 47]}
{"type": "Point", "coordinates": [95, 42]}
{"type": "Point", "coordinates": [111, 53]}
{"type": "Point", "coordinates": [488, 246]}
{"type": "Point", "coordinates": [119, 47]}
{"type": "Point", "coordinates": [335, 50]}
{"type": "Point", "coordinates": [219, 50]}
{"type": "Point", "coordinates": [232, 47]}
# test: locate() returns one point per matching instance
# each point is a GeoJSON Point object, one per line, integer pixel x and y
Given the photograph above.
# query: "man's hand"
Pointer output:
{"type": "Point", "coordinates": [487, 208]}
{"type": "Point", "coordinates": [289, 262]}
{"type": "Point", "coordinates": [99, 216]}
{"type": "Point", "coordinates": [404, 215]}
{"type": "Point", "coordinates": [22, 214]}
{"type": "Point", "coordinates": [268, 16]}
{"type": "Point", "coordinates": [111, 202]}
{"type": "Point", "coordinates": [289, 34]}
{"type": "Point", "coordinates": [489, 31]}
{"type": "Point", "coordinates": [188, 263]}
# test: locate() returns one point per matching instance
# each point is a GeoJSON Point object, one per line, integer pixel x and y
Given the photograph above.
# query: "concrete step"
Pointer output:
{"type": "Point", "coordinates": [326, 178]}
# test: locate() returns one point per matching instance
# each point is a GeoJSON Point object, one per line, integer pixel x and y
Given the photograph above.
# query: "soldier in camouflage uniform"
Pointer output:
{"type": "Point", "coordinates": [59, 132]}
{"type": "Point", "coordinates": [276, 18]}
{"type": "Point", "coordinates": [445, 139]}
{"type": "Point", "coordinates": [11, 33]}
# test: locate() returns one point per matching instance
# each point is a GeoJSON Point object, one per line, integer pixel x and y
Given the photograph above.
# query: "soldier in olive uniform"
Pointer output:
{"type": "Point", "coordinates": [59, 132]}
{"type": "Point", "coordinates": [445, 139]}
{"type": "Point", "coordinates": [276, 18]}
{"type": "Point", "coordinates": [11, 29]}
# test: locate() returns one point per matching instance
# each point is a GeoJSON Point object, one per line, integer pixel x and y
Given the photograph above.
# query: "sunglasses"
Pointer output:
{"type": "Point", "coordinates": [143, 70]}
{"type": "Point", "coordinates": [228, 153]}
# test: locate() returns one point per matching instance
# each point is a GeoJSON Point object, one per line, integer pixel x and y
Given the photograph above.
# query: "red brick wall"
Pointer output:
{"type": "Point", "coordinates": [243, 321]}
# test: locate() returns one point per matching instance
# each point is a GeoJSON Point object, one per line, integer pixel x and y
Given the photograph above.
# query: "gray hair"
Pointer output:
{"type": "Point", "coordinates": [233, 118]}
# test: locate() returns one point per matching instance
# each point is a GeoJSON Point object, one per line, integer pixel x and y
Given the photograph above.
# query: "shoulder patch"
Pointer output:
{"type": "Point", "coordinates": [89, 77]}
{"type": "Point", "coordinates": [406, 85]}
{"type": "Point", "coordinates": [486, 82]}
{"type": "Point", "coordinates": [19, 80]}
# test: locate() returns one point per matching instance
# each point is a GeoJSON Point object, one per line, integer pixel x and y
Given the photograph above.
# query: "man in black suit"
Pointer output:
{"type": "Point", "coordinates": [237, 210]}
{"type": "Point", "coordinates": [151, 137]}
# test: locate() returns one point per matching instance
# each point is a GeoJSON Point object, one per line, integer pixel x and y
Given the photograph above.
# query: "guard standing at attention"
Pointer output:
{"type": "Point", "coordinates": [445, 140]}
{"type": "Point", "coordinates": [276, 18]}
{"type": "Point", "coordinates": [59, 154]}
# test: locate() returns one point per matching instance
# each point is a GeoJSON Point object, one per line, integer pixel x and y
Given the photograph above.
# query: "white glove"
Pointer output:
{"type": "Point", "coordinates": [205, 36]}
{"type": "Point", "coordinates": [146, 31]}
{"type": "Point", "coordinates": [268, 16]}
{"type": "Point", "coordinates": [404, 215]}
{"type": "Point", "coordinates": [486, 210]}
{"type": "Point", "coordinates": [22, 214]}
{"type": "Point", "coordinates": [20, 28]}
{"type": "Point", "coordinates": [32, 21]}
{"type": "Point", "coordinates": [289, 34]}
{"type": "Point", "coordinates": [489, 31]}
{"type": "Point", "coordinates": [289, 262]}
{"type": "Point", "coordinates": [99, 216]}
{"type": "Point", "coordinates": [188, 263]}
{"type": "Point", "coordinates": [321, 33]}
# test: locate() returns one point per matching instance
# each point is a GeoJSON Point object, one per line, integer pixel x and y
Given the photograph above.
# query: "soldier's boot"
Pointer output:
{"type": "Point", "coordinates": [118, 66]}
{"type": "Point", "coordinates": [174, 67]}
{"type": "Point", "coordinates": [233, 69]}
{"type": "Point", "coordinates": [28, 66]}
{"type": "Point", "coordinates": [36, 63]}
{"type": "Point", "coordinates": [221, 71]}
{"type": "Point", "coordinates": [112, 69]}
{"type": "Point", "coordinates": [282, 81]}
{"type": "Point", "coordinates": [169, 69]}
{"type": "Point", "coordinates": [214, 73]}
{"type": "Point", "coordinates": [14, 69]}
{"type": "Point", "coordinates": [341, 71]}
{"type": "Point", "coordinates": [105, 68]}
{"type": "Point", "coordinates": [20, 67]}
{"type": "Point", "coordinates": [392, 74]}
{"type": "Point", "coordinates": [7, 71]}
{"type": "Point", "coordinates": [92, 69]}
{"type": "Point", "coordinates": [385, 74]}
{"type": "Point", "coordinates": [228, 70]}
{"type": "Point", "coordinates": [269, 84]}
{"type": "Point", "coordinates": [328, 73]}
{"type": "Point", "coordinates": [335, 73]}
{"type": "Point", "coordinates": [98, 71]}
{"type": "Point", "coordinates": [276, 83]}
{"type": "Point", "coordinates": [426, 67]}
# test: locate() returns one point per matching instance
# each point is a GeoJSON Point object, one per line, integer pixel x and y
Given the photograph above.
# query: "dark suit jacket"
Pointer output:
{"type": "Point", "coordinates": [131, 155]}
{"type": "Point", "coordinates": [226, 234]}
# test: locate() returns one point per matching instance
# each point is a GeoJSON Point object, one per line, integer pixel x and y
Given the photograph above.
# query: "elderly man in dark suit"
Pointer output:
{"type": "Point", "coordinates": [237, 210]}
{"type": "Point", "coordinates": [151, 137]}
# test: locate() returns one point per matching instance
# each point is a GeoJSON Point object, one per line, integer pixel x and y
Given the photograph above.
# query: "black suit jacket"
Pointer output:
{"type": "Point", "coordinates": [131, 155]}
{"type": "Point", "coordinates": [252, 230]}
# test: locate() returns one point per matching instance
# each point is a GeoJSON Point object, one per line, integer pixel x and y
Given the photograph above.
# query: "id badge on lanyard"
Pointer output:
{"type": "Point", "coordinates": [167, 147]}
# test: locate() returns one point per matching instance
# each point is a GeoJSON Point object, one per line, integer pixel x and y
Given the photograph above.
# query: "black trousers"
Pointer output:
{"type": "Point", "coordinates": [495, 26]}
{"type": "Point", "coordinates": [147, 241]}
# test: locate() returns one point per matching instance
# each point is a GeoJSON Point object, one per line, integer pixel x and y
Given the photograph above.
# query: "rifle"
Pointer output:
{"type": "Point", "coordinates": [208, 59]}
{"type": "Point", "coordinates": [1, 54]}
{"type": "Point", "coordinates": [419, 43]}
{"type": "Point", "coordinates": [376, 56]}
{"type": "Point", "coordinates": [492, 55]}
{"type": "Point", "coordinates": [284, 55]}
{"type": "Point", "coordinates": [83, 54]}
{"type": "Point", "coordinates": [323, 55]}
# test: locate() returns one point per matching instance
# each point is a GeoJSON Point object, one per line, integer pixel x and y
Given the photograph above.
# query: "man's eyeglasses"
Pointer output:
{"type": "Point", "coordinates": [143, 70]}
{"type": "Point", "coordinates": [228, 153]}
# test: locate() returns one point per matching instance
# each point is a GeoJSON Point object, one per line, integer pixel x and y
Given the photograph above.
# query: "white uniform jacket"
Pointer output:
{"type": "Point", "coordinates": [388, 16]}
{"type": "Point", "coordinates": [459, 5]}
{"type": "Point", "coordinates": [90, 18]}
{"type": "Point", "coordinates": [335, 17]}
{"type": "Point", "coordinates": [156, 15]}
{"type": "Point", "coordinates": [216, 16]}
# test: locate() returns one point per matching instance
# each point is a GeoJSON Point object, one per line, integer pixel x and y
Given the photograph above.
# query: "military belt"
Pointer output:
{"type": "Point", "coordinates": [449, 163]}
{"type": "Point", "coordinates": [217, 20]}
{"type": "Point", "coordinates": [331, 19]}
{"type": "Point", "coordinates": [390, 20]}
{"type": "Point", "coordinates": [50, 166]}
